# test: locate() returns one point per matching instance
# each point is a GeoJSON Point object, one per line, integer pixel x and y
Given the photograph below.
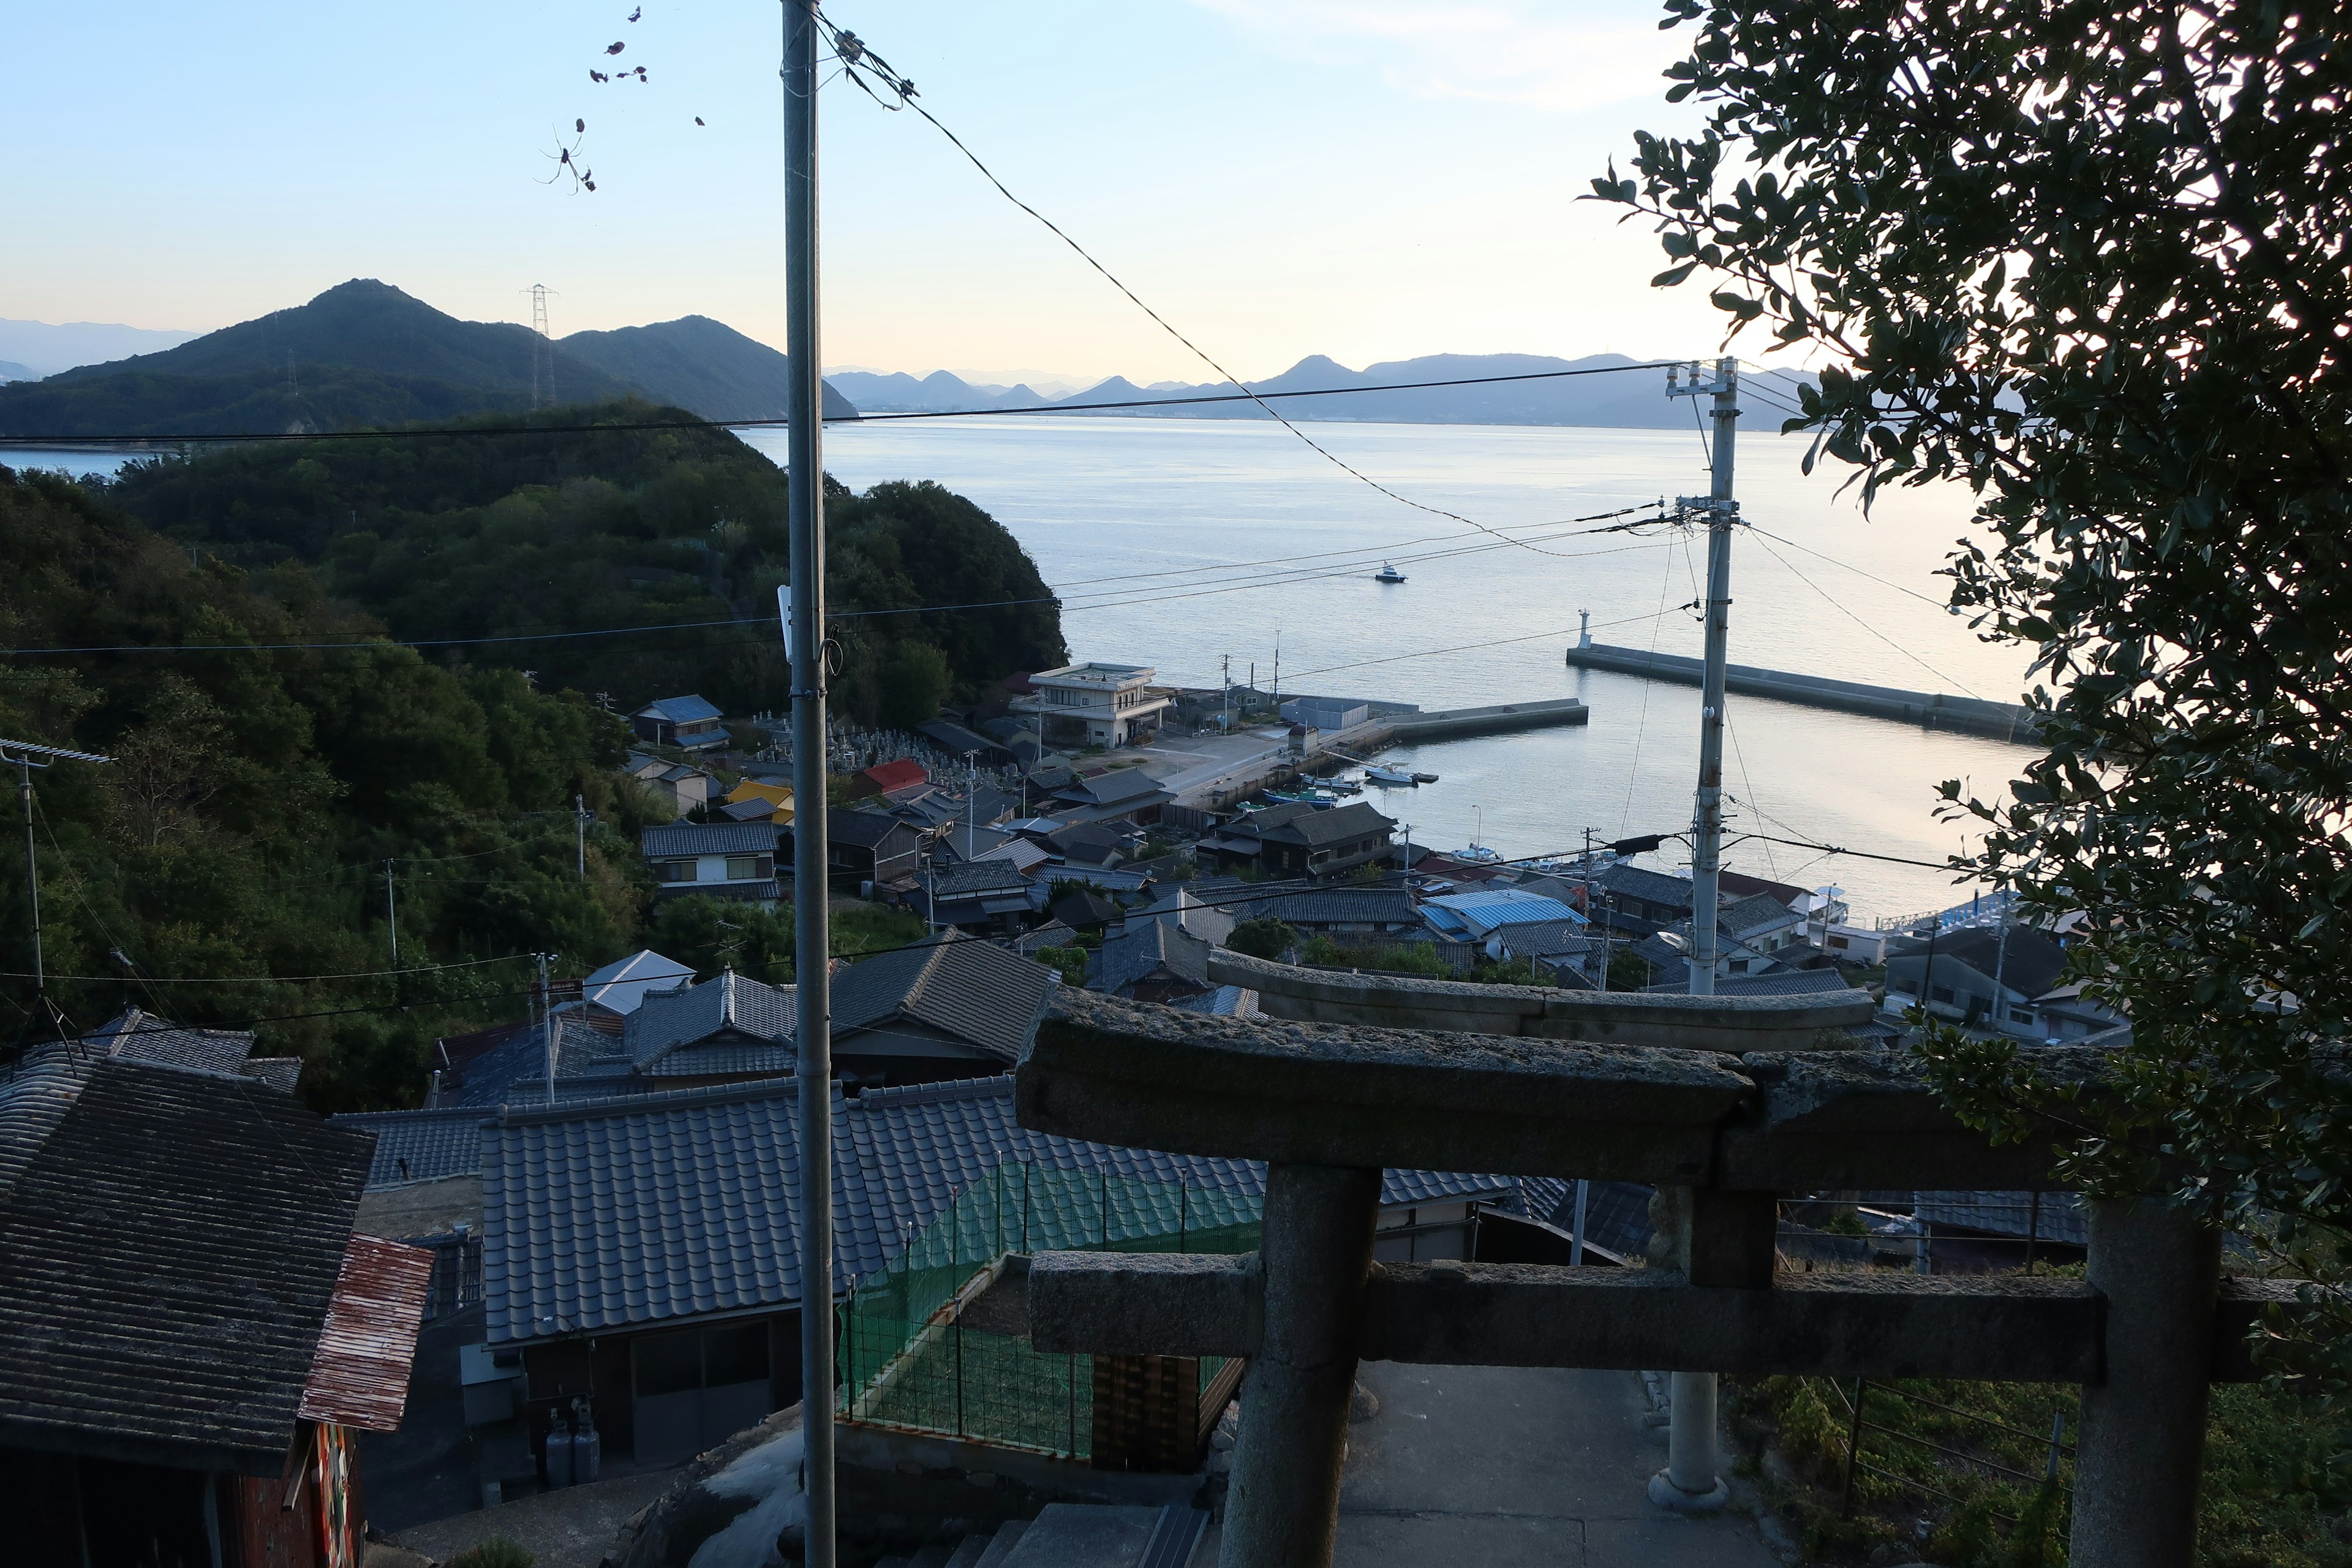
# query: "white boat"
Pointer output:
{"type": "Point", "coordinates": [1480, 853]}
{"type": "Point", "coordinates": [1381, 775]}
{"type": "Point", "coordinates": [1388, 573]}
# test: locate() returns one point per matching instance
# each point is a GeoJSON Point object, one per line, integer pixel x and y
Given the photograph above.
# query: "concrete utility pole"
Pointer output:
{"type": "Point", "coordinates": [391, 914]}
{"type": "Point", "coordinates": [546, 1026]}
{"type": "Point", "coordinates": [1691, 1479]}
{"type": "Point", "coordinates": [580, 818]}
{"type": "Point", "coordinates": [804, 466]}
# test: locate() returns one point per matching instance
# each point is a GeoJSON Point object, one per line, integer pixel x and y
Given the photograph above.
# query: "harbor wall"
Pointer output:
{"type": "Point", "coordinates": [1547, 713]}
{"type": "Point", "coordinates": [1975, 716]}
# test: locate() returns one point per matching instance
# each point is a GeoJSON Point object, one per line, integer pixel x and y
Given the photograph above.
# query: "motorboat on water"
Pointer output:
{"type": "Point", "coordinates": [1388, 573]}
{"type": "Point", "coordinates": [1480, 853]}
{"type": "Point", "coordinates": [1424, 778]}
{"type": "Point", "coordinates": [1381, 775]}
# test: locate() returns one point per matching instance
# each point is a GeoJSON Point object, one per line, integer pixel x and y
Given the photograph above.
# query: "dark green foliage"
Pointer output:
{"type": "Point", "coordinates": [1843, 1220]}
{"type": "Point", "coordinates": [913, 682]}
{"type": "Point", "coordinates": [709, 935]}
{"type": "Point", "coordinates": [1069, 962]}
{"type": "Point", "coordinates": [243, 828]}
{"type": "Point", "coordinates": [1627, 970]}
{"type": "Point", "coordinates": [477, 535]}
{"type": "Point", "coordinates": [497, 1552]}
{"type": "Point", "coordinates": [2087, 258]}
{"type": "Point", "coordinates": [1262, 936]}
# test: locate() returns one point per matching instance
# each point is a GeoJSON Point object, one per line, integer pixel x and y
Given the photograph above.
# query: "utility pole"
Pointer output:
{"type": "Point", "coordinates": [1691, 1478]}
{"type": "Point", "coordinates": [546, 1026]}
{"type": "Point", "coordinates": [579, 821]}
{"type": "Point", "coordinates": [391, 914]}
{"type": "Point", "coordinates": [22, 753]}
{"type": "Point", "coordinates": [1226, 680]}
{"type": "Point", "coordinates": [805, 502]}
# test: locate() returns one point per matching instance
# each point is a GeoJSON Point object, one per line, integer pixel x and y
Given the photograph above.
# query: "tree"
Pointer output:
{"type": "Point", "coordinates": [913, 682]}
{"type": "Point", "coordinates": [1262, 936]}
{"type": "Point", "coordinates": [2088, 259]}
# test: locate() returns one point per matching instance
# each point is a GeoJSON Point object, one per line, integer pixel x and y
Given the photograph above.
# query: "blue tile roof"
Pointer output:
{"type": "Point", "coordinates": [681, 1204]}
{"type": "Point", "coordinates": [680, 709]}
{"type": "Point", "coordinates": [419, 1145]}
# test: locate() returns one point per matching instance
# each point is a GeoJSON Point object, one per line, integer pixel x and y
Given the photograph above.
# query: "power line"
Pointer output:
{"type": "Point", "coordinates": [1884, 582]}
{"type": "Point", "coordinates": [1866, 625]}
{"type": "Point", "coordinates": [853, 53]}
{"type": "Point", "coordinates": [1469, 646]}
{"type": "Point", "coordinates": [624, 427]}
{"type": "Point", "coordinates": [278, 979]}
{"type": "Point", "coordinates": [1856, 854]}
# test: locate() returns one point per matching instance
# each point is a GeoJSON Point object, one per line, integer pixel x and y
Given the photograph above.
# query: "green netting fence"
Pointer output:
{"type": "Point", "coordinates": [908, 1358]}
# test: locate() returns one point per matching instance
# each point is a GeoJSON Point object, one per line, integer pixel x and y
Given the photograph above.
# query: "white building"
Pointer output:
{"type": "Point", "coordinates": [1096, 704]}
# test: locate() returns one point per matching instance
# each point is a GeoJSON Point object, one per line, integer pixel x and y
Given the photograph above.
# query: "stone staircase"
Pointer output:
{"type": "Point", "coordinates": [1075, 1535]}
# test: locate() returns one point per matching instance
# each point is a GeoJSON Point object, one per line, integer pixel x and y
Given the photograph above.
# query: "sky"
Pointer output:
{"type": "Point", "coordinates": [1367, 179]}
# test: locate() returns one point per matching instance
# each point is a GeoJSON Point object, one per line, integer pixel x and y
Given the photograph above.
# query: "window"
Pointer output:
{"type": "Point", "coordinates": [1943, 994]}
{"type": "Point", "coordinates": [1837, 941]}
{"type": "Point", "coordinates": [1903, 984]}
{"type": "Point", "coordinates": [1739, 966]}
{"type": "Point", "coordinates": [2021, 1014]}
{"type": "Point", "coordinates": [744, 868]}
{"type": "Point", "coordinates": [676, 870]}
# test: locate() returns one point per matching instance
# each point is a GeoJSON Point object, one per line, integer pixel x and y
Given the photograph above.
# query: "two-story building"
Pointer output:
{"type": "Point", "coordinates": [724, 859]}
{"type": "Point", "coordinates": [1096, 704]}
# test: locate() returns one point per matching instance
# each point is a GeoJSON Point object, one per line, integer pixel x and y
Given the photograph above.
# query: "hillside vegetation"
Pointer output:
{"type": "Point", "coordinates": [470, 535]}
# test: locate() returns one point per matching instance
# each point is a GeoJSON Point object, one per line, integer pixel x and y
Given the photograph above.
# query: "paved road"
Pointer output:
{"type": "Point", "coordinates": [1512, 1468]}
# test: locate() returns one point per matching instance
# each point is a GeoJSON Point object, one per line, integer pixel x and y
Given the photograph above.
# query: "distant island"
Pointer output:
{"type": "Point", "coordinates": [1632, 401]}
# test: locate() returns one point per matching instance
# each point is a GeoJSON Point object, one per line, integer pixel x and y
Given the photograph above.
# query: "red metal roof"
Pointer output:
{"type": "Point", "coordinates": [887, 776]}
{"type": "Point", "coordinates": [359, 1376]}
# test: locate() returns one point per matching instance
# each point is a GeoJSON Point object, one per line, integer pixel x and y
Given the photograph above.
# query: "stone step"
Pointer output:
{"type": "Point", "coordinates": [968, 1552]}
{"type": "Point", "coordinates": [1084, 1535]}
{"type": "Point", "coordinates": [934, 1556]}
{"type": "Point", "coordinates": [1175, 1537]}
{"type": "Point", "coordinates": [1000, 1545]}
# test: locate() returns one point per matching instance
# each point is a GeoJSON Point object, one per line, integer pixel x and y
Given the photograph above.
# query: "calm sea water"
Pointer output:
{"type": "Point", "coordinates": [1180, 544]}
{"type": "Point", "coordinates": [1162, 537]}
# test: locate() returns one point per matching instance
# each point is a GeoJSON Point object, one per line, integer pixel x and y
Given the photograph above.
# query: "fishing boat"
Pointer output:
{"type": "Point", "coordinates": [1424, 778]}
{"type": "Point", "coordinates": [1388, 573]}
{"type": "Point", "coordinates": [1480, 853]}
{"type": "Point", "coordinates": [1380, 775]}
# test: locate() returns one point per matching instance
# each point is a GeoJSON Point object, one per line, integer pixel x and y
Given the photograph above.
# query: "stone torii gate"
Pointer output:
{"type": "Point", "coordinates": [1734, 1099]}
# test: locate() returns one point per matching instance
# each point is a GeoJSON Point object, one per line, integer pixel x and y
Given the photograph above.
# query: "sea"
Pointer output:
{"type": "Point", "coordinates": [1200, 547]}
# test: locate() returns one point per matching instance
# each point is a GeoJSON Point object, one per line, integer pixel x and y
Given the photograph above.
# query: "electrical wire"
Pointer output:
{"type": "Point", "coordinates": [1866, 625]}
{"type": "Point", "coordinates": [853, 53]}
{"type": "Point", "coordinates": [1466, 647]}
{"type": "Point", "coordinates": [1882, 581]}
{"type": "Point", "coordinates": [278, 979]}
{"type": "Point", "coordinates": [1642, 721]}
{"type": "Point", "coordinates": [1856, 854]}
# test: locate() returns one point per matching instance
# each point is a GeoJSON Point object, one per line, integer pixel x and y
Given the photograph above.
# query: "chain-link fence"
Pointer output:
{"type": "Point", "coordinates": [910, 1359]}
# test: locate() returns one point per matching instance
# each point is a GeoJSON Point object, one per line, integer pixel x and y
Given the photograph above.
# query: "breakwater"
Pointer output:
{"type": "Point", "coordinates": [1400, 728]}
{"type": "Point", "coordinates": [1973, 715]}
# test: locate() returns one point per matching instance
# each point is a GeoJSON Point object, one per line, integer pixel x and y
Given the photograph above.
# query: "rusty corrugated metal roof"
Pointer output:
{"type": "Point", "coordinates": [360, 1375]}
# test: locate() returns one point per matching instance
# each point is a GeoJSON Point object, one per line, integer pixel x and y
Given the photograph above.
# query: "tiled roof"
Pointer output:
{"type": "Point", "coordinates": [1119, 787]}
{"type": "Point", "coordinates": [733, 1003]}
{"type": "Point", "coordinates": [1193, 916]}
{"type": "Point", "coordinates": [1225, 1001]}
{"type": "Point", "coordinates": [142, 1036]}
{"type": "Point", "coordinates": [1547, 939]}
{"type": "Point", "coordinates": [283, 1074]}
{"type": "Point", "coordinates": [895, 775]}
{"type": "Point", "coordinates": [978, 876]}
{"type": "Point", "coordinates": [1637, 882]}
{"type": "Point", "coordinates": [1340, 824]}
{"type": "Point", "coordinates": [2032, 966]}
{"type": "Point", "coordinates": [709, 838]}
{"type": "Point", "coordinates": [973, 990]}
{"type": "Point", "coordinates": [172, 1238]}
{"type": "Point", "coordinates": [862, 829]}
{"type": "Point", "coordinates": [1337, 906]}
{"type": "Point", "coordinates": [683, 1205]}
{"type": "Point", "coordinates": [678, 709]}
{"type": "Point", "coordinates": [1143, 949]}
{"type": "Point", "coordinates": [1754, 914]}
{"type": "Point", "coordinates": [420, 1145]}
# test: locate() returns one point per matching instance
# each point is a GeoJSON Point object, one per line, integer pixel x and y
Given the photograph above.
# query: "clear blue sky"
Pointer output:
{"type": "Point", "coordinates": [1370, 180]}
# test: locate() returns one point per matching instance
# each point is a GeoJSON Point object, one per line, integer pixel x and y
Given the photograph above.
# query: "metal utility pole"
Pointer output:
{"type": "Point", "coordinates": [391, 914]}
{"type": "Point", "coordinates": [804, 465]}
{"type": "Point", "coordinates": [21, 753]}
{"type": "Point", "coordinates": [1691, 1478]}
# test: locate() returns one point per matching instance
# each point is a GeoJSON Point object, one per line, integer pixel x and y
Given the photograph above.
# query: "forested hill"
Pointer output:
{"type": "Point", "coordinates": [255, 799]}
{"type": "Point", "coordinates": [365, 354]}
{"type": "Point", "coordinates": [468, 536]}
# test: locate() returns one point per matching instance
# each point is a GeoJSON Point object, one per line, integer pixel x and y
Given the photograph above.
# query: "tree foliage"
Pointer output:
{"type": "Point", "coordinates": [471, 535]}
{"type": "Point", "coordinates": [244, 827]}
{"type": "Point", "coordinates": [2090, 259]}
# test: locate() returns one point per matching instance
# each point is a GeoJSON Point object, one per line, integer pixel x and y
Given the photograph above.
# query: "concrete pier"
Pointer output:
{"type": "Point", "coordinates": [2001, 720]}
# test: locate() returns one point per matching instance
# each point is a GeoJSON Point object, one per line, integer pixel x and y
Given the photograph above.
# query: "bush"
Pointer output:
{"type": "Point", "coordinates": [497, 1552]}
{"type": "Point", "coordinates": [913, 682]}
{"type": "Point", "coordinates": [1070, 962]}
{"type": "Point", "coordinates": [1262, 936]}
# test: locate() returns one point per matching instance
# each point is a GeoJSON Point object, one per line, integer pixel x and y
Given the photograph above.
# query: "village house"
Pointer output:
{"type": "Point", "coordinates": [1302, 840]}
{"type": "Point", "coordinates": [684, 788]}
{"type": "Point", "coordinates": [2001, 978]}
{"type": "Point", "coordinates": [1123, 794]}
{"type": "Point", "coordinates": [1094, 704]}
{"type": "Point", "coordinates": [865, 848]}
{"type": "Point", "coordinates": [1753, 935]}
{"type": "Point", "coordinates": [191, 1335]}
{"type": "Point", "coordinates": [990, 896]}
{"type": "Point", "coordinates": [760, 800]}
{"type": "Point", "coordinates": [735, 860]}
{"type": "Point", "coordinates": [689, 723]}
{"type": "Point", "coordinates": [888, 779]}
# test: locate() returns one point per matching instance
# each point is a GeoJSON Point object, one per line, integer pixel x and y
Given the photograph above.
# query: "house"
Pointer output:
{"type": "Point", "coordinates": [1128, 794]}
{"type": "Point", "coordinates": [685, 788]}
{"type": "Point", "coordinates": [1083, 908]}
{"type": "Point", "coordinates": [956, 740]}
{"type": "Point", "coordinates": [888, 778]}
{"type": "Point", "coordinates": [1474, 917]}
{"type": "Point", "coordinates": [1563, 952]}
{"type": "Point", "coordinates": [1326, 713]}
{"type": "Point", "coordinates": [1739, 885]}
{"type": "Point", "coordinates": [139, 1035]}
{"type": "Point", "coordinates": [990, 895]}
{"type": "Point", "coordinates": [734, 860]}
{"type": "Point", "coordinates": [1302, 840]}
{"type": "Point", "coordinates": [1152, 961]}
{"type": "Point", "coordinates": [867, 848]}
{"type": "Point", "coordinates": [755, 792]}
{"type": "Point", "coordinates": [626, 1259]}
{"type": "Point", "coordinates": [191, 1335]}
{"type": "Point", "coordinates": [1360, 913]}
{"type": "Point", "coordinates": [1090, 844]}
{"type": "Point", "coordinates": [1204, 921]}
{"type": "Point", "coordinates": [610, 993]}
{"type": "Point", "coordinates": [1953, 973]}
{"type": "Point", "coordinates": [1753, 935]}
{"type": "Point", "coordinates": [687, 722]}
{"type": "Point", "coordinates": [951, 1006]}
{"type": "Point", "coordinates": [1094, 704]}
{"type": "Point", "coordinates": [1625, 893]}
{"type": "Point", "coordinates": [726, 1030]}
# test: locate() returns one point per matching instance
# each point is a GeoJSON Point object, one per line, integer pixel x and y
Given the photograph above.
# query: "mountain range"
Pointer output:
{"type": "Point", "coordinates": [1588, 396]}
{"type": "Point", "coordinates": [365, 353]}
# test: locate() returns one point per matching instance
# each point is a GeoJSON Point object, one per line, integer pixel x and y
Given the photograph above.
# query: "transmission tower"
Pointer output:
{"type": "Point", "coordinates": [543, 352]}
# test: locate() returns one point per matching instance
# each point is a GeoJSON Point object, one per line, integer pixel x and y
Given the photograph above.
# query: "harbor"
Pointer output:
{"type": "Point", "coordinates": [1934, 710]}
